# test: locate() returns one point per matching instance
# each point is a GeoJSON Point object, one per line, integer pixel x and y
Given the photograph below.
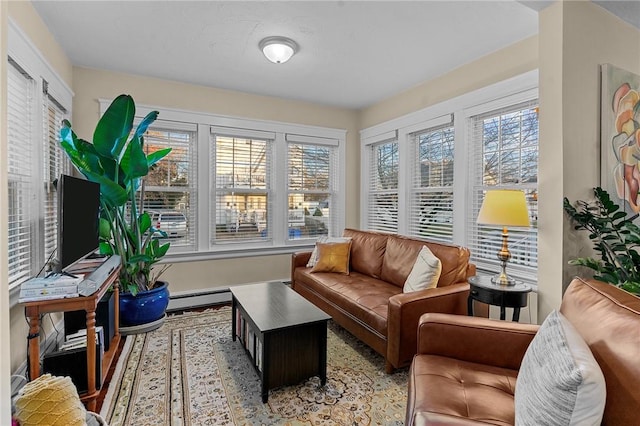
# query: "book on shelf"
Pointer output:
{"type": "Point", "coordinates": [79, 339]}
{"type": "Point", "coordinates": [53, 286]}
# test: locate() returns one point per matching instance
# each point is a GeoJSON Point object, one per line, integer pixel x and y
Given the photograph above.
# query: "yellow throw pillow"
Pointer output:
{"type": "Point", "coordinates": [333, 257]}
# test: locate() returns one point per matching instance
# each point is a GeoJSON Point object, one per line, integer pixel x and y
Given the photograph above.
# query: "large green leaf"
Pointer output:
{"type": "Point", "coordinates": [111, 191]}
{"type": "Point", "coordinates": [134, 161]}
{"type": "Point", "coordinates": [156, 156]}
{"type": "Point", "coordinates": [145, 123]}
{"type": "Point", "coordinates": [144, 222]}
{"type": "Point", "coordinates": [113, 128]}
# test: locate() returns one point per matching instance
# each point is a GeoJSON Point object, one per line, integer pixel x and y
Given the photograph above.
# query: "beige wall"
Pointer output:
{"type": "Point", "coordinates": [501, 65]}
{"type": "Point", "coordinates": [90, 85]}
{"type": "Point", "coordinates": [575, 38]}
{"type": "Point", "coordinates": [23, 14]}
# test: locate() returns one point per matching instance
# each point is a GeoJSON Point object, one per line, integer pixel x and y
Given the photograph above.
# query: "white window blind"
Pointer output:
{"type": "Point", "coordinates": [382, 209]}
{"type": "Point", "coordinates": [431, 198]}
{"type": "Point", "coordinates": [21, 157]}
{"type": "Point", "coordinates": [312, 175]}
{"type": "Point", "coordinates": [171, 185]}
{"type": "Point", "coordinates": [54, 164]}
{"type": "Point", "coordinates": [505, 156]}
{"type": "Point", "coordinates": [241, 207]}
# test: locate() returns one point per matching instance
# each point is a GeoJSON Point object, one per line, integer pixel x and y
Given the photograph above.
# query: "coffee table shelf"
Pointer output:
{"type": "Point", "coordinates": [284, 335]}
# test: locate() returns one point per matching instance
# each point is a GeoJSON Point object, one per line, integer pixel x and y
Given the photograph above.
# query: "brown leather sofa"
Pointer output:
{"type": "Point", "coordinates": [369, 302]}
{"type": "Point", "coordinates": [466, 368]}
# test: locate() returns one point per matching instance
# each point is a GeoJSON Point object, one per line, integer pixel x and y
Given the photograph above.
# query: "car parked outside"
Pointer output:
{"type": "Point", "coordinates": [173, 223]}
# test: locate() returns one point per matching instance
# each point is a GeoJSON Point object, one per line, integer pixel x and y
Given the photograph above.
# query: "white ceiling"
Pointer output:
{"type": "Point", "coordinates": [352, 53]}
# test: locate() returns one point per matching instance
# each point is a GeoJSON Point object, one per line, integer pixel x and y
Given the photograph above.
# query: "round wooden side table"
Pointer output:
{"type": "Point", "coordinates": [484, 290]}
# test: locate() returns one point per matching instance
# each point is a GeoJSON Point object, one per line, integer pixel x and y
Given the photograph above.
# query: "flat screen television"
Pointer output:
{"type": "Point", "coordinates": [78, 213]}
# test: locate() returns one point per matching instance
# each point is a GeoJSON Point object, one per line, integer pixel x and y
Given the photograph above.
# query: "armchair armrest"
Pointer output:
{"type": "Point", "coordinates": [298, 259]}
{"type": "Point", "coordinates": [479, 340]}
{"type": "Point", "coordinates": [405, 310]}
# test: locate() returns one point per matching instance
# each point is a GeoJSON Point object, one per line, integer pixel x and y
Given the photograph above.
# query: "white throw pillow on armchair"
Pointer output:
{"type": "Point", "coordinates": [559, 382]}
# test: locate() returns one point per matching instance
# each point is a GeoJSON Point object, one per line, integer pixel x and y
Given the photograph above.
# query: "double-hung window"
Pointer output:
{"type": "Point", "coordinates": [431, 196]}
{"type": "Point", "coordinates": [171, 185]}
{"type": "Point", "coordinates": [54, 164]}
{"type": "Point", "coordinates": [312, 175]}
{"type": "Point", "coordinates": [21, 174]}
{"type": "Point", "coordinates": [425, 174]}
{"type": "Point", "coordinates": [37, 102]}
{"type": "Point", "coordinates": [382, 203]}
{"type": "Point", "coordinates": [505, 156]}
{"type": "Point", "coordinates": [241, 204]}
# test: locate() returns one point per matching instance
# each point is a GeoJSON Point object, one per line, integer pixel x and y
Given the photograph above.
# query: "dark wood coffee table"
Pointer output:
{"type": "Point", "coordinates": [284, 334]}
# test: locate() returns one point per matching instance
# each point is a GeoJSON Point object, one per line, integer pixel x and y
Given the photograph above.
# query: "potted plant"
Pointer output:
{"type": "Point", "coordinates": [615, 237]}
{"type": "Point", "coordinates": [117, 161]}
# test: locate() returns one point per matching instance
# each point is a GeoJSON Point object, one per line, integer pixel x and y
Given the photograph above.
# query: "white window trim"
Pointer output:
{"type": "Point", "coordinates": [508, 92]}
{"type": "Point", "coordinates": [205, 122]}
{"type": "Point", "coordinates": [22, 50]}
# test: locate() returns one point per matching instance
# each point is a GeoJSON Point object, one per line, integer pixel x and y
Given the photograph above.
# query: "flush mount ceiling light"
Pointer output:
{"type": "Point", "coordinates": [278, 49]}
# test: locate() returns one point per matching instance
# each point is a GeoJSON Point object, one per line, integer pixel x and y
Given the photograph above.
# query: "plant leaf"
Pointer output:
{"type": "Point", "coordinates": [113, 128]}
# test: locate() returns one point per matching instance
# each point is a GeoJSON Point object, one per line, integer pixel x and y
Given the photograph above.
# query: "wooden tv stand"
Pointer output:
{"type": "Point", "coordinates": [89, 304]}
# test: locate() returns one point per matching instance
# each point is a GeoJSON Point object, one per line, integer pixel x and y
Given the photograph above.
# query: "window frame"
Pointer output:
{"type": "Point", "coordinates": [513, 91]}
{"type": "Point", "coordinates": [280, 243]}
{"type": "Point", "coordinates": [48, 87]}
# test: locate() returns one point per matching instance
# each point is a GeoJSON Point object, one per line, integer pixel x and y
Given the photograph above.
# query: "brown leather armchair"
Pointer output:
{"type": "Point", "coordinates": [466, 368]}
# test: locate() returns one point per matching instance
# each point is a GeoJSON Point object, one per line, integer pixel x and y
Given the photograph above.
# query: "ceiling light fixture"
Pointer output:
{"type": "Point", "coordinates": [278, 49]}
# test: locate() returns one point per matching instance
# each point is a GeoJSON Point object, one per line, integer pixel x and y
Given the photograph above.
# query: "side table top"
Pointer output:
{"type": "Point", "coordinates": [484, 281]}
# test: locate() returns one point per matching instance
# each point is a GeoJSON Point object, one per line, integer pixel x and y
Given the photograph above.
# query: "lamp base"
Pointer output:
{"type": "Point", "coordinates": [499, 279]}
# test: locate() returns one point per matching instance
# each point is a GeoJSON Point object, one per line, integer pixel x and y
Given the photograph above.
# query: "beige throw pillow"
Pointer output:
{"type": "Point", "coordinates": [425, 273]}
{"type": "Point", "coordinates": [324, 239]}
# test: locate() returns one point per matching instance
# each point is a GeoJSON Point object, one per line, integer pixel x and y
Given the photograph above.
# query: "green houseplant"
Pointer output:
{"type": "Point", "coordinates": [117, 161]}
{"type": "Point", "coordinates": [615, 238]}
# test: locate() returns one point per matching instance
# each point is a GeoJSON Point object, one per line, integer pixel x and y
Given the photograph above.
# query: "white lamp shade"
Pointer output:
{"type": "Point", "coordinates": [278, 49]}
{"type": "Point", "coordinates": [504, 207]}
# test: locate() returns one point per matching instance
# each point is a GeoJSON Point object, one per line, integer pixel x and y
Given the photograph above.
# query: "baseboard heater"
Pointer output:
{"type": "Point", "coordinates": [198, 299]}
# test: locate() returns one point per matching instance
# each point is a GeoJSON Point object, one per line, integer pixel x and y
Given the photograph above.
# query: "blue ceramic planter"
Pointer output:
{"type": "Point", "coordinates": [145, 307]}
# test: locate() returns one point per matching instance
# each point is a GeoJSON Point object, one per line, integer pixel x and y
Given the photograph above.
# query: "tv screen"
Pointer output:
{"type": "Point", "coordinates": [78, 212]}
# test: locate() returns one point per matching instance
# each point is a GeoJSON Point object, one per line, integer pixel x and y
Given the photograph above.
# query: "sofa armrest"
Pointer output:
{"type": "Point", "coordinates": [298, 259]}
{"type": "Point", "coordinates": [480, 340]}
{"type": "Point", "coordinates": [405, 310]}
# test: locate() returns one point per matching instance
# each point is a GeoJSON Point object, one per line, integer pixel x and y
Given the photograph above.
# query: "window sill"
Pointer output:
{"type": "Point", "coordinates": [236, 252]}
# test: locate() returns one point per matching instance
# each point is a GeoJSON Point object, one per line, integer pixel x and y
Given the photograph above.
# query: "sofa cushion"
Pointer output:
{"type": "Point", "coordinates": [333, 257]}
{"type": "Point", "coordinates": [559, 383]}
{"type": "Point", "coordinates": [446, 388]}
{"type": "Point", "coordinates": [425, 272]}
{"type": "Point", "coordinates": [399, 258]}
{"type": "Point", "coordinates": [365, 298]}
{"type": "Point", "coordinates": [323, 239]}
{"type": "Point", "coordinates": [367, 250]}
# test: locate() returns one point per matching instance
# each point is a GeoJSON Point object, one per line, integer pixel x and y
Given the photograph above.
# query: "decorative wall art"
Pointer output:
{"type": "Point", "coordinates": [620, 136]}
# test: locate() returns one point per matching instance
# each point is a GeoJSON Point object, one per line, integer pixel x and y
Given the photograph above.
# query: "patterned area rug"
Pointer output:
{"type": "Point", "coordinates": [190, 372]}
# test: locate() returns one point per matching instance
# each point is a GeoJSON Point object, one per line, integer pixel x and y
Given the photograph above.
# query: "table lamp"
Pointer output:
{"type": "Point", "coordinates": [504, 207]}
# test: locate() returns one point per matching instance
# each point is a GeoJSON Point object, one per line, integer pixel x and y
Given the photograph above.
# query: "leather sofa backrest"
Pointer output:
{"type": "Point", "coordinates": [608, 319]}
{"type": "Point", "coordinates": [401, 254]}
{"type": "Point", "coordinates": [367, 251]}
